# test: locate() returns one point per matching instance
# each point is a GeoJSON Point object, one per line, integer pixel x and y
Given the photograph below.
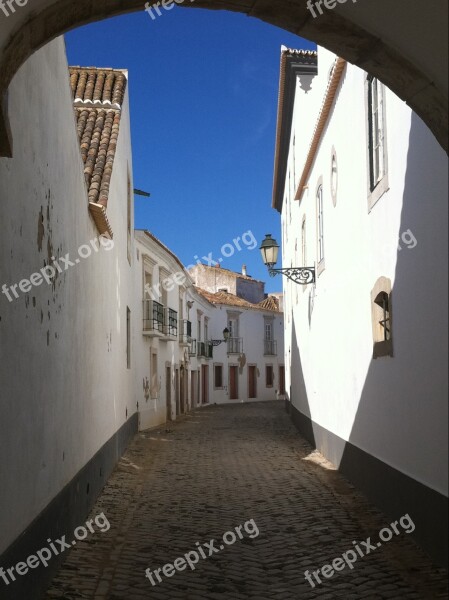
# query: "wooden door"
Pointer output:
{"type": "Point", "coordinates": [177, 391]}
{"type": "Point", "coordinates": [252, 381]}
{"type": "Point", "coordinates": [282, 380]}
{"type": "Point", "coordinates": [233, 383]}
{"type": "Point", "coordinates": [182, 391]}
{"type": "Point", "coordinates": [168, 392]}
{"type": "Point", "coordinates": [204, 384]}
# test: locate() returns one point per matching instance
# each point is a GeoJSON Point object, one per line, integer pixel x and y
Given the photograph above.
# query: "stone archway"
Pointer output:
{"type": "Point", "coordinates": [408, 54]}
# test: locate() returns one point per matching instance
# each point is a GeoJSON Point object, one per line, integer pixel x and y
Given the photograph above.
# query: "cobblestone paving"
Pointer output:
{"type": "Point", "coordinates": [216, 469]}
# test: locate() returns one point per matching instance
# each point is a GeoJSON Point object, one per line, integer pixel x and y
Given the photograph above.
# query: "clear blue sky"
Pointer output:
{"type": "Point", "coordinates": [203, 89]}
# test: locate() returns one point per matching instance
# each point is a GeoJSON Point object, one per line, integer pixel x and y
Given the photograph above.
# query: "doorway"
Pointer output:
{"type": "Point", "coordinates": [177, 391]}
{"type": "Point", "coordinates": [252, 381]}
{"type": "Point", "coordinates": [182, 391]}
{"type": "Point", "coordinates": [168, 392]}
{"type": "Point", "coordinates": [282, 380]}
{"type": "Point", "coordinates": [233, 383]}
{"type": "Point", "coordinates": [204, 384]}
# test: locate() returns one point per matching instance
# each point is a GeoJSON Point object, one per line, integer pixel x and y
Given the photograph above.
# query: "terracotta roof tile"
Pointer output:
{"type": "Point", "coordinates": [270, 303]}
{"type": "Point", "coordinates": [232, 300]}
{"type": "Point", "coordinates": [97, 96]}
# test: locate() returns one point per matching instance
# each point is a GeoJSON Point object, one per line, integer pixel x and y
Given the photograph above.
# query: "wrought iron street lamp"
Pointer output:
{"type": "Point", "coordinates": [226, 334]}
{"type": "Point", "coordinates": [269, 250]}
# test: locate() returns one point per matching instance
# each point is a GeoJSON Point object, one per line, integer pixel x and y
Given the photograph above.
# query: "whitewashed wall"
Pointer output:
{"type": "Point", "coordinates": [64, 382]}
{"type": "Point", "coordinates": [393, 408]}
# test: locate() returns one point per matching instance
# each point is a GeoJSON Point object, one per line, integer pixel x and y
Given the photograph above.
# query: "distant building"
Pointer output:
{"type": "Point", "coordinates": [250, 365]}
{"type": "Point", "coordinates": [361, 185]}
{"type": "Point", "coordinates": [216, 279]}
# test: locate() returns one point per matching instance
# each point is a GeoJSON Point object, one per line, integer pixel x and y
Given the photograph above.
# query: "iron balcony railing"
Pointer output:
{"type": "Point", "coordinates": [185, 332]}
{"type": "Point", "coordinates": [270, 348]}
{"type": "Point", "coordinates": [153, 316]}
{"type": "Point", "coordinates": [171, 322]}
{"type": "Point", "coordinates": [204, 350]}
{"type": "Point", "coordinates": [235, 345]}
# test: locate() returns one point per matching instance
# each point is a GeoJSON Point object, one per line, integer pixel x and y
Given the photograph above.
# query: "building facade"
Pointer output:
{"type": "Point", "coordinates": [67, 405]}
{"type": "Point", "coordinates": [249, 366]}
{"type": "Point", "coordinates": [172, 350]}
{"type": "Point", "coordinates": [361, 186]}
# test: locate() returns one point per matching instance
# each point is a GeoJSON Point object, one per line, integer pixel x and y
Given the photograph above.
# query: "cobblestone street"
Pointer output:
{"type": "Point", "coordinates": [216, 469]}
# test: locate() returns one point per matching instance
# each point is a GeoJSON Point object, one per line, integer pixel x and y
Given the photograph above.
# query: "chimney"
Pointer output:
{"type": "Point", "coordinates": [244, 270]}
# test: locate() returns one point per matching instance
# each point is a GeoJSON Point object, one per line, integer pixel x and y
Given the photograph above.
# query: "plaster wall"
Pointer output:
{"type": "Point", "coordinates": [63, 375]}
{"type": "Point", "coordinates": [394, 408]}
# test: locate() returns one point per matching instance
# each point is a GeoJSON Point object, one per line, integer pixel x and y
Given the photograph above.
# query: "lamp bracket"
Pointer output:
{"type": "Point", "coordinates": [300, 275]}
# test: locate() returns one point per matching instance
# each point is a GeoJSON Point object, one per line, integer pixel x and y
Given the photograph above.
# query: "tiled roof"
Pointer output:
{"type": "Point", "coordinates": [98, 86]}
{"type": "Point", "coordinates": [270, 303]}
{"type": "Point", "coordinates": [232, 300]}
{"type": "Point", "coordinates": [97, 99]}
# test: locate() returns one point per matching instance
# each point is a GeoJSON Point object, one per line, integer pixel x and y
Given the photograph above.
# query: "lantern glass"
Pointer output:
{"type": "Point", "coordinates": [269, 250]}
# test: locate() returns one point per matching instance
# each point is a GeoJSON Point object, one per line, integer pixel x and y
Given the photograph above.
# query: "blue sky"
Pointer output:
{"type": "Point", "coordinates": [203, 90]}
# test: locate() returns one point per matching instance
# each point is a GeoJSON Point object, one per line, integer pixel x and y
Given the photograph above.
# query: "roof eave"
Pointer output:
{"type": "Point", "coordinates": [293, 63]}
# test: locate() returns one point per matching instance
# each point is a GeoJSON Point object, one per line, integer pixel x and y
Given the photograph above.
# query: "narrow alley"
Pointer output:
{"type": "Point", "coordinates": [225, 466]}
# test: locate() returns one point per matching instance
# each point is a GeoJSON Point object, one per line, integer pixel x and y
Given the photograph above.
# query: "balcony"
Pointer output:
{"type": "Point", "coordinates": [204, 350]}
{"type": "Point", "coordinates": [171, 323]}
{"type": "Point", "coordinates": [153, 318]}
{"type": "Point", "coordinates": [235, 346]}
{"type": "Point", "coordinates": [270, 348]}
{"type": "Point", "coordinates": [159, 321]}
{"type": "Point", "coordinates": [185, 332]}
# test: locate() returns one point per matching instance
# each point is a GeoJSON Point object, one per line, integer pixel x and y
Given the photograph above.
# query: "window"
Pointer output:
{"type": "Point", "coordinates": [320, 227]}
{"type": "Point", "coordinates": [218, 377]}
{"type": "Point", "coordinates": [206, 329]}
{"type": "Point", "coordinates": [269, 376]}
{"type": "Point", "coordinates": [128, 338]}
{"type": "Point", "coordinates": [148, 285]}
{"type": "Point", "coordinates": [377, 156]}
{"type": "Point", "coordinates": [334, 177]}
{"type": "Point", "coordinates": [268, 331]}
{"type": "Point", "coordinates": [381, 318]}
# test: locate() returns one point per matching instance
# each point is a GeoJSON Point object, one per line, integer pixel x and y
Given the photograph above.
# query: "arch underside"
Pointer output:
{"type": "Point", "coordinates": [371, 51]}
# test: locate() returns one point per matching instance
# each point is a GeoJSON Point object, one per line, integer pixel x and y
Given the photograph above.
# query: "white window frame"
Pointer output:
{"type": "Point", "coordinates": [376, 130]}
{"type": "Point", "coordinates": [319, 197]}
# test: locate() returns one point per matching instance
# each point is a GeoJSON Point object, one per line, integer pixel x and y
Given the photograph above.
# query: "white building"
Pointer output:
{"type": "Point", "coordinates": [172, 352]}
{"type": "Point", "coordinates": [361, 185]}
{"type": "Point", "coordinates": [249, 366]}
{"type": "Point", "coordinates": [67, 407]}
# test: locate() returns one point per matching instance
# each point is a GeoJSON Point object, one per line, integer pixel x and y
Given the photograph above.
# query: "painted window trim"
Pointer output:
{"type": "Point", "coordinates": [382, 186]}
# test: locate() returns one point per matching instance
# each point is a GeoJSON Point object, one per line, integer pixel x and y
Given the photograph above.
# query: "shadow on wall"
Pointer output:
{"type": "Point", "coordinates": [301, 417]}
{"type": "Point", "coordinates": [402, 412]}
